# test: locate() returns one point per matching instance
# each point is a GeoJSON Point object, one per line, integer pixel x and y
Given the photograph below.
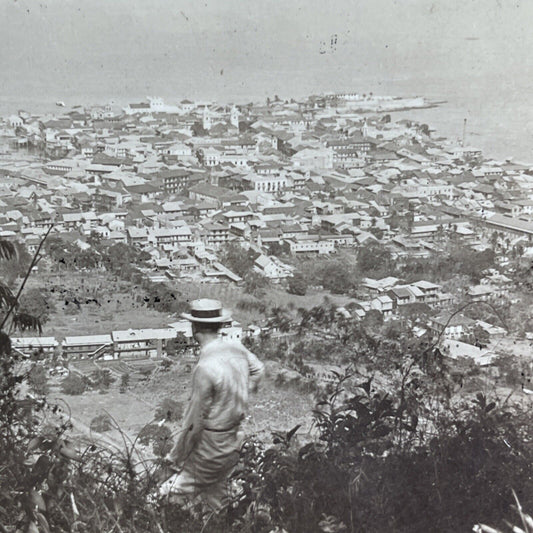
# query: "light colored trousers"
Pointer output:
{"type": "Point", "coordinates": [206, 472]}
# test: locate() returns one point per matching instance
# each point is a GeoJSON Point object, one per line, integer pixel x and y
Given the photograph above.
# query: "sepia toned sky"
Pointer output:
{"type": "Point", "coordinates": [255, 47]}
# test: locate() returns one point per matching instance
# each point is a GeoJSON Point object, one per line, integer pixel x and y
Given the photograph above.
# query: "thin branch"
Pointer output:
{"type": "Point", "coordinates": [30, 268]}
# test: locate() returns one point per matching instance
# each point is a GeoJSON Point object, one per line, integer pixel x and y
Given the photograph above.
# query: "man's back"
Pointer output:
{"type": "Point", "coordinates": [226, 365]}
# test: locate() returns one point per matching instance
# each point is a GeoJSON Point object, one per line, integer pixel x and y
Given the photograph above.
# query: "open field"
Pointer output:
{"type": "Point", "coordinates": [274, 297]}
{"type": "Point", "coordinates": [272, 408]}
{"type": "Point", "coordinates": [105, 304]}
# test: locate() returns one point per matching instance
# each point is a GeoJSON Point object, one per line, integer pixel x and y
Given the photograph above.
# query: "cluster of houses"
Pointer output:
{"type": "Point", "coordinates": [388, 295]}
{"type": "Point", "coordinates": [182, 180]}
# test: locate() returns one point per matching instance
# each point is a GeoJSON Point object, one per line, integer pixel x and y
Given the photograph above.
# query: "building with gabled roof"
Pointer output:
{"type": "Point", "coordinates": [141, 343]}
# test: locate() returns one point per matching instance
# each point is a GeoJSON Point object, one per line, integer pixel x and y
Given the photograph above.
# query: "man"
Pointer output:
{"type": "Point", "coordinates": [208, 446]}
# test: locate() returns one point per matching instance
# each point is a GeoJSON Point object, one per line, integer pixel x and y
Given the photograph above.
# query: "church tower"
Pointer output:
{"type": "Point", "coordinates": [206, 119]}
{"type": "Point", "coordinates": [364, 129]}
{"type": "Point", "coordinates": [234, 117]}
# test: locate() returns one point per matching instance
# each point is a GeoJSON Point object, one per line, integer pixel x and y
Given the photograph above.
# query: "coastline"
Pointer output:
{"type": "Point", "coordinates": [500, 137]}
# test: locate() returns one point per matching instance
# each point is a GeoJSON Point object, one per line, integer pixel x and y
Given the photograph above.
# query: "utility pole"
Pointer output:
{"type": "Point", "coordinates": [464, 132]}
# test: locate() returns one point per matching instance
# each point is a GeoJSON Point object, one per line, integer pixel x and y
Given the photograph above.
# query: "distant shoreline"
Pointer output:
{"type": "Point", "coordinates": [498, 140]}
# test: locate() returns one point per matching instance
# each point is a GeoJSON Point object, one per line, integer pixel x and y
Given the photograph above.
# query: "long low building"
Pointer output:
{"type": "Point", "coordinates": [85, 346]}
{"type": "Point", "coordinates": [516, 226]}
{"type": "Point", "coordinates": [141, 343]}
{"type": "Point", "coordinates": [27, 346]}
{"type": "Point", "coordinates": [310, 244]}
{"type": "Point", "coordinates": [130, 344]}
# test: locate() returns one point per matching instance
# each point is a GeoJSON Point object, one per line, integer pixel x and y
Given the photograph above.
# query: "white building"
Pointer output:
{"type": "Point", "coordinates": [266, 183]}
{"type": "Point", "coordinates": [271, 267]}
{"type": "Point", "coordinates": [310, 244]}
{"type": "Point", "coordinates": [172, 236]}
{"type": "Point", "coordinates": [141, 343]}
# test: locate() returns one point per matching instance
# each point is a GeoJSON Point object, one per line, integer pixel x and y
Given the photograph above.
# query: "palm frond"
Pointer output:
{"type": "Point", "coordinates": [7, 249]}
{"type": "Point", "coordinates": [7, 299]}
{"type": "Point", "coordinates": [24, 321]}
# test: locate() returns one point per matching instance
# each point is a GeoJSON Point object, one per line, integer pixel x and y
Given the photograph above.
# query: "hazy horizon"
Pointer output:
{"type": "Point", "coordinates": [137, 47]}
{"type": "Point", "coordinates": [473, 53]}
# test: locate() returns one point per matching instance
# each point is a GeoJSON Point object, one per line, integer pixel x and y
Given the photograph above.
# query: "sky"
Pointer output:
{"type": "Point", "coordinates": [250, 48]}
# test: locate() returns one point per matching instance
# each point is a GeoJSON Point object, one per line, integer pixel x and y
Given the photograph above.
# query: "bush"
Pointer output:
{"type": "Point", "coordinates": [169, 410]}
{"type": "Point", "coordinates": [297, 285]}
{"type": "Point", "coordinates": [74, 384]}
{"type": "Point", "coordinates": [124, 382]}
{"type": "Point", "coordinates": [374, 468]}
{"type": "Point", "coordinates": [101, 423]}
{"type": "Point", "coordinates": [38, 380]}
{"type": "Point", "coordinates": [102, 379]}
{"type": "Point", "coordinates": [159, 436]}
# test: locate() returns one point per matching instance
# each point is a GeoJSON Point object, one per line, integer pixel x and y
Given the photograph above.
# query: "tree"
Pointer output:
{"type": "Point", "coordinates": [254, 283]}
{"type": "Point", "coordinates": [118, 256]}
{"type": "Point", "coordinates": [124, 382]}
{"type": "Point", "coordinates": [38, 380]}
{"type": "Point", "coordinates": [61, 252]}
{"type": "Point", "coordinates": [278, 248]}
{"type": "Point", "coordinates": [424, 128]}
{"type": "Point", "coordinates": [415, 311]}
{"type": "Point", "coordinates": [178, 346]}
{"type": "Point", "coordinates": [86, 259]}
{"type": "Point", "coordinates": [279, 319]}
{"type": "Point", "coordinates": [481, 337]}
{"type": "Point", "coordinates": [12, 267]}
{"type": "Point", "coordinates": [102, 379]}
{"type": "Point", "coordinates": [238, 259]}
{"type": "Point", "coordinates": [339, 277]}
{"type": "Point", "coordinates": [373, 320]}
{"type": "Point", "coordinates": [94, 239]}
{"type": "Point", "coordinates": [494, 240]}
{"type": "Point", "coordinates": [373, 258]}
{"type": "Point", "coordinates": [162, 298]}
{"type": "Point", "coordinates": [297, 284]}
{"type": "Point", "coordinates": [36, 302]}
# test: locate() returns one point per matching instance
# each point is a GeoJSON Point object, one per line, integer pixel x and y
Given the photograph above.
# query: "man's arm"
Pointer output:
{"type": "Point", "coordinates": [197, 410]}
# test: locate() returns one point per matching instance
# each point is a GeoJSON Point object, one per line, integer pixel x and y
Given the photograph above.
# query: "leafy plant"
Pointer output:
{"type": "Point", "coordinates": [101, 423]}
{"type": "Point", "coordinates": [169, 410]}
{"type": "Point", "coordinates": [74, 384]}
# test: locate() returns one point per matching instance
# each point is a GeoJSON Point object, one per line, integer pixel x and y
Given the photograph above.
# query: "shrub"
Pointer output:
{"type": "Point", "coordinates": [74, 384]}
{"type": "Point", "coordinates": [101, 423]}
{"type": "Point", "coordinates": [102, 379]}
{"type": "Point", "coordinates": [376, 468]}
{"type": "Point", "coordinates": [169, 410]}
{"type": "Point", "coordinates": [38, 380]}
{"type": "Point", "coordinates": [159, 436]}
{"type": "Point", "coordinates": [297, 285]}
{"type": "Point", "coordinates": [124, 382]}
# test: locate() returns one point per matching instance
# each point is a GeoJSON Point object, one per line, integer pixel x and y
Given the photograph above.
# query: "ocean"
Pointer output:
{"type": "Point", "coordinates": [498, 112]}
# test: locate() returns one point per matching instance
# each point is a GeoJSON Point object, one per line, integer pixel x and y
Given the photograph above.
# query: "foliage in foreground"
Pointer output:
{"type": "Point", "coordinates": [408, 460]}
{"type": "Point", "coordinates": [380, 462]}
{"type": "Point", "coordinates": [376, 468]}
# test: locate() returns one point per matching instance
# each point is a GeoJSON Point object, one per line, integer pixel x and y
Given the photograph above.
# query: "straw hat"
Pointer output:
{"type": "Point", "coordinates": [207, 311]}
